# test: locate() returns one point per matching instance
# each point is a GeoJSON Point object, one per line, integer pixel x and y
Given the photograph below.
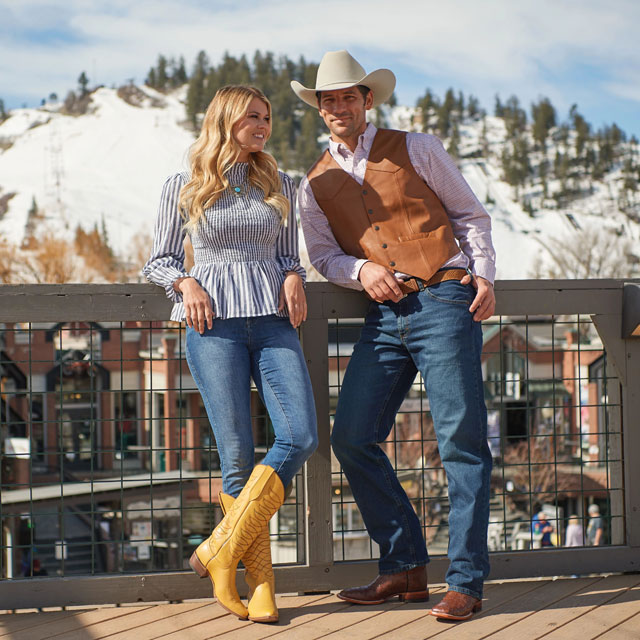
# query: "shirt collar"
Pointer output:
{"type": "Point", "coordinates": [365, 142]}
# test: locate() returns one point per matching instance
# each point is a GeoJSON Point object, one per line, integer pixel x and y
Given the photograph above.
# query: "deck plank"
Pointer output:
{"type": "Point", "coordinates": [398, 616]}
{"type": "Point", "coordinates": [130, 622]}
{"type": "Point", "coordinates": [606, 607]}
{"type": "Point", "coordinates": [13, 622]}
{"type": "Point", "coordinates": [506, 614]}
{"type": "Point", "coordinates": [601, 619]}
{"type": "Point", "coordinates": [296, 622]}
{"type": "Point", "coordinates": [496, 594]}
{"type": "Point", "coordinates": [230, 626]}
{"type": "Point", "coordinates": [66, 626]}
{"type": "Point", "coordinates": [628, 630]}
{"type": "Point", "coordinates": [562, 612]}
{"type": "Point", "coordinates": [171, 618]}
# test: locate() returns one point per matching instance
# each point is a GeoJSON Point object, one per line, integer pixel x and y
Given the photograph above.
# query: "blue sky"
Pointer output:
{"type": "Point", "coordinates": [584, 52]}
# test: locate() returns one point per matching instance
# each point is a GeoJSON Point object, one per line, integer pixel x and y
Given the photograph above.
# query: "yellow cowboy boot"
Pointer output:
{"type": "Point", "coordinates": [218, 556]}
{"type": "Point", "coordinates": [259, 573]}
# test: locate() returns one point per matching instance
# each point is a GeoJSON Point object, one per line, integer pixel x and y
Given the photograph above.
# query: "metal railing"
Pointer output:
{"type": "Point", "coordinates": [110, 473]}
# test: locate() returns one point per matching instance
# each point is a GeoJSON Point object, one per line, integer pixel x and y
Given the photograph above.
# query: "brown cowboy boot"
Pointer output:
{"type": "Point", "coordinates": [408, 585]}
{"type": "Point", "coordinates": [456, 606]}
{"type": "Point", "coordinates": [218, 556]}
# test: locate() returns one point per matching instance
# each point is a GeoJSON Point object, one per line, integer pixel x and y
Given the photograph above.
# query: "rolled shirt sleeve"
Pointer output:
{"type": "Point", "coordinates": [166, 263]}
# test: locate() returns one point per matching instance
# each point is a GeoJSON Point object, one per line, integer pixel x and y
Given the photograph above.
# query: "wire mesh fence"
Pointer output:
{"type": "Point", "coordinates": [554, 431]}
{"type": "Point", "coordinates": [109, 465]}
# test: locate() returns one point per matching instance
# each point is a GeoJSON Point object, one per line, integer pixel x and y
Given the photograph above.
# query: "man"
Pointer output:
{"type": "Point", "coordinates": [387, 212]}
{"type": "Point", "coordinates": [543, 528]}
{"type": "Point", "coordinates": [595, 528]}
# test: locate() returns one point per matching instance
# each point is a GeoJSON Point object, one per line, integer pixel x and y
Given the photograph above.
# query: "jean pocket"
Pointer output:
{"type": "Point", "coordinates": [452, 292]}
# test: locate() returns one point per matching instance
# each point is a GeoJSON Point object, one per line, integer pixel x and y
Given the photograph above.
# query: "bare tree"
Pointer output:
{"type": "Point", "coordinates": [588, 253]}
{"type": "Point", "coordinates": [530, 465]}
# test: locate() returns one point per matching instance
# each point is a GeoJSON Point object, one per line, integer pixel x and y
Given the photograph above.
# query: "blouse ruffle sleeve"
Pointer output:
{"type": "Point", "coordinates": [166, 263]}
{"type": "Point", "coordinates": [287, 252]}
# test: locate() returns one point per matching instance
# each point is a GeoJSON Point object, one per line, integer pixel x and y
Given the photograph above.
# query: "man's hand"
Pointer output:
{"type": "Point", "coordinates": [292, 295]}
{"type": "Point", "coordinates": [484, 303]}
{"type": "Point", "coordinates": [197, 304]}
{"type": "Point", "coordinates": [379, 282]}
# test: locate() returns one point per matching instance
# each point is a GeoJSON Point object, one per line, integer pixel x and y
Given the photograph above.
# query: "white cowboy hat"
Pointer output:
{"type": "Point", "coordinates": [339, 70]}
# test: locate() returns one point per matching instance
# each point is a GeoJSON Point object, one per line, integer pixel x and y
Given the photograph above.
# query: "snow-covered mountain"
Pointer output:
{"type": "Point", "coordinates": [108, 166]}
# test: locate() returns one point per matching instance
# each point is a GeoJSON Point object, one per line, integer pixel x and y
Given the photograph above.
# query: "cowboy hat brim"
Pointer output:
{"type": "Point", "coordinates": [382, 82]}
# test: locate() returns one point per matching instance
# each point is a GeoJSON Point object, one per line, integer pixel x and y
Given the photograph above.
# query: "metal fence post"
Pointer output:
{"type": "Point", "coordinates": [314, 337]}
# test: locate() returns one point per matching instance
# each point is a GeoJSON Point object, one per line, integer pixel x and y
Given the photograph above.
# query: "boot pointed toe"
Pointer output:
{"type": "Point", "coordinates": [456, 606]}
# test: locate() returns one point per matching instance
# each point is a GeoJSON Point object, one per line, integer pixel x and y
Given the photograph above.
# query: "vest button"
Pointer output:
{"type": "Point", "coordinates": [370, 211]}
{"type": "Point", "coordinates": [364, 192]}
{"type": "Point", "coordinates": [377, 228]}
{"type": "Point", "coordinates": [384, 246]}
{"type": "Point", "coordinates": [392, 264]}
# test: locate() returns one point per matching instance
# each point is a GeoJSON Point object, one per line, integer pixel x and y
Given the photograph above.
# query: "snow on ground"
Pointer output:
{"type": "Point", "coordinates": [110, 165]}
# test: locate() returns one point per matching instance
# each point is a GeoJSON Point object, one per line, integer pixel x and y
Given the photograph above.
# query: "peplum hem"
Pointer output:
{"type": "Point", "coordinates": [238, 289]}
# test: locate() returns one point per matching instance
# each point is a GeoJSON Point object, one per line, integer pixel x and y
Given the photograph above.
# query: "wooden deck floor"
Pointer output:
{"type": "Point", "coordinates": [572, 609]}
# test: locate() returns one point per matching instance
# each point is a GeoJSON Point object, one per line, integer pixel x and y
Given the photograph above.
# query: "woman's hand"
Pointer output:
{"type": "Point", "coordinates": [292, 296]}
{"type": "Point", "coordinates": [197, 304]}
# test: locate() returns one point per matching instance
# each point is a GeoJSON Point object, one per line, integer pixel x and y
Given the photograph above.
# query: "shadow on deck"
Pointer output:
{"type": "Point", "coordinates": [606, 607]}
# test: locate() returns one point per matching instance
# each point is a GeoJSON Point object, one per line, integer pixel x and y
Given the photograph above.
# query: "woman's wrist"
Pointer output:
{"type": "Point", "coordinates": [178, 281]}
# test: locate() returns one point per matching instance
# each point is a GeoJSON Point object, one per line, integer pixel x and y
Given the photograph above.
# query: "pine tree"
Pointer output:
{"type": "Point", "coordinates": [445, 111]}
{"type": "Point", "coordinates": [161, 73]}
{"type": "Point", "coordinates": [484, 140]}
{"type": "Point", "coordinates": [498, 110]}
{"type": "Point", "coordinates": [83, 81]}
{"type": "Point", "coordinates": [151, 80]}
{"type": "Point", "coordinates": [544, 119]}
{"type": "Point", "coordinates": [179, 74]}
{"type": "Point", "coordinates": [196, 96]}
{"type": "Point", "coordinates": [427, 105]}
{"type": "Point", "coordinates": [3, 113]}
{"type": "Point", "coordinates": [515, 118]}
{"type": "Point", "coordinates": [454, 142]}
{"type": "Point", "coordinates": [582, 129]}
{"type": "Point", "coordinates": [473, 106]}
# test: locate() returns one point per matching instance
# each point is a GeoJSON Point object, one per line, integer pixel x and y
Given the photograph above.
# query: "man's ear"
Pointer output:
{"type": "Point", "coordinates": [368, 103]}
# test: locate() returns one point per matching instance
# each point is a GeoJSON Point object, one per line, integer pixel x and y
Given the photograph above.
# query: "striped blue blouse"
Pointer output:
{"type": "Point", "coordinates": [241, 250]}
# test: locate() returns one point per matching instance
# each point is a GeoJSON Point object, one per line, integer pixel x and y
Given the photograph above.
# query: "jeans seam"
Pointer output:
{"type": "Point", "coordinates": [376, 433]}
{"type": "Point", "coordinates": [205, 399]}
{"type": "Point", "coordinates": [284, 413]}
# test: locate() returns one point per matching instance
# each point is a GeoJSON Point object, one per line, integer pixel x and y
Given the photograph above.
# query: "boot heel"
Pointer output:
{"type": "Point", "coordinates": [414, 596]}
{"type": "Point", "coordinates": [197, 566]}
{"type": "Point", "coordinates": [477, 607]}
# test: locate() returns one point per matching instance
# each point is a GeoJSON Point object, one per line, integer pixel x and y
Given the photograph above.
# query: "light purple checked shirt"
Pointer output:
{"type": "Point", "coordinates": [470, 222]}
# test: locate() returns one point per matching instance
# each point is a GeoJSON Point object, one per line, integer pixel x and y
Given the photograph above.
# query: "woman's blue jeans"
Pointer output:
{"type": "Point", "coordinates": [222, 360]}
{"type": "Point", "coordinates": [433, 332]}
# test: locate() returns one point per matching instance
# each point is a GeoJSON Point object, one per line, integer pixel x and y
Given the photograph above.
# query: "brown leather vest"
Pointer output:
{"type": "Point", "coordinates": [394, 218]}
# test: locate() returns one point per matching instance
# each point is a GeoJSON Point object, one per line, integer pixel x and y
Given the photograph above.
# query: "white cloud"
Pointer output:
{"type": "Point", "coordinates": [494, 45]}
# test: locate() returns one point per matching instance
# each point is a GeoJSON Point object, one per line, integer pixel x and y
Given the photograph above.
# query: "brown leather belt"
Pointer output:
{"type": "Point", "coordinates": [414, 284]}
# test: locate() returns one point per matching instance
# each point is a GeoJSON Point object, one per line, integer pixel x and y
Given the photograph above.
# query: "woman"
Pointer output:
{"type": "Point", "coordinates": [574, 536]}
{"type": "Point", "coordinates": [241, 301]}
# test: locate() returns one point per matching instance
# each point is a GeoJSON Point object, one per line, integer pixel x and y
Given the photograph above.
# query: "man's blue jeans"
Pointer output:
{"type": "Point", "coordinates": [433, 332]}
{"type": "Point", "coordinates": [222, 360]}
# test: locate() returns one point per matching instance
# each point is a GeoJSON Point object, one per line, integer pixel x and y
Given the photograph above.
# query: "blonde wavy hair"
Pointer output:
{"type": "Point", "coordinates": [216, 150]}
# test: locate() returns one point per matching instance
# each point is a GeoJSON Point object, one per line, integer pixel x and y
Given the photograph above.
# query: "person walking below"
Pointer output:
{"type": "Point", "coordinates": [388, 212]}
{"type": "Point", "coordinates": [242, 301]}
